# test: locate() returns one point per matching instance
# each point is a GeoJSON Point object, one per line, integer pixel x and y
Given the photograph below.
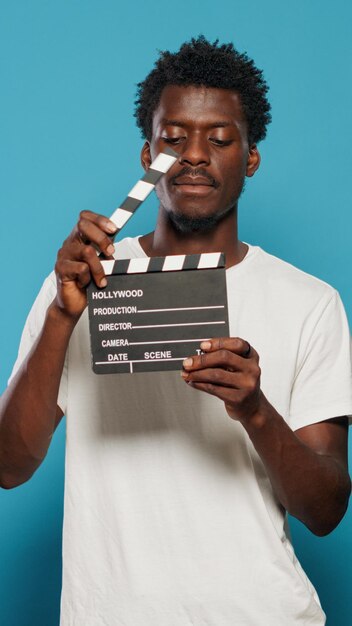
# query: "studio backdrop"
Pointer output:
{"type": "Point", "coordinates": [68, 142]}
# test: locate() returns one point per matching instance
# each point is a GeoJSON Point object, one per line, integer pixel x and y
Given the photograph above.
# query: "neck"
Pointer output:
{"type": "Point", "coordinates": [223, 237]}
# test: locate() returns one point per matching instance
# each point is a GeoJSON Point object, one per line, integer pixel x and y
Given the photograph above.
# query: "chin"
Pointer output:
{"type": "Point", "coordinates": [196, 224]}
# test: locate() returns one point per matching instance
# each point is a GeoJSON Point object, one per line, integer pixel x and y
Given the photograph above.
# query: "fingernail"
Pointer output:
{"type": "Point", "coordinates": [205, 345]}
{"type": "Point", "coordinates": [110, 249]}
{"type": "Point", "coordinates": [187, 363]}
{"type": "Point", "coordinates": [184, 374]}
{"type": "Point", "coordinates": [103, 282]}
{"type": "Point", "coordinates": [111, 227]}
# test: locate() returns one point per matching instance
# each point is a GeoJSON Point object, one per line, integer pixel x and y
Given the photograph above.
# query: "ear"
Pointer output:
{"type": "Point", "coordinates": [253, 160]}
{"type": "Point", "coordinates": [146, 157]}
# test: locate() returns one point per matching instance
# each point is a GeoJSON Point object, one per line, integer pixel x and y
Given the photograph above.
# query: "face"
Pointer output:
{"type": "Point", "coordinates": [208, 130]}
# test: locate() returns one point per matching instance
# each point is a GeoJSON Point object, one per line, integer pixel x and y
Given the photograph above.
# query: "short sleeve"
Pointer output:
{"type": "Point", "coordinates": [32, 329]}
{"type": "Point", "coordinates": [322, 388]}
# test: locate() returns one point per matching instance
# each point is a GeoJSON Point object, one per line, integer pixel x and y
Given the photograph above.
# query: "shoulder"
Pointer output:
{"type": "Point", "coordinates": [289, 282]}
{"type": "Point", "coordinates": [48, 290]}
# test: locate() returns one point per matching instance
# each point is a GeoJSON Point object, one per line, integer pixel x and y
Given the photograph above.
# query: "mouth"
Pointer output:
{"type": "Point", "coordinates": [193, 189]}
{"type": "Point", "coordinates": [193, 185]}
{"type": "Point", "coordinates": [192, 181]}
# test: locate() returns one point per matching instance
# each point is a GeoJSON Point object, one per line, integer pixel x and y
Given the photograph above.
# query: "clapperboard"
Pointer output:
{"type": "Point", "coordinates": [154, 312]}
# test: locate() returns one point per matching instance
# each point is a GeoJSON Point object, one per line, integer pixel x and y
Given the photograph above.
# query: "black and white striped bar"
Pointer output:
{"type": "Point", "coordinates": [143, 188]}
{"type": "Point", "coordinates": [154, 312]}
{"type": "Point", "coordinates": [172, 263]}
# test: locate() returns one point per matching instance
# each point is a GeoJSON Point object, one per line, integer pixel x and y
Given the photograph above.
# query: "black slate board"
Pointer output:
{"type": "Point", "coordinates": [151, 321]}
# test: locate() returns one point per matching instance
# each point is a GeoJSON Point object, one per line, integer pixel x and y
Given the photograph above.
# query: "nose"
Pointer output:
{"type": "Point", "coordinates": [195, 151]}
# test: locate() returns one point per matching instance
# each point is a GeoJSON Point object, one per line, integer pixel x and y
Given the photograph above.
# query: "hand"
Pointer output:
{"type": "Point", "coordinates": [229, 369]}
{"type": "Point", "coordinates": [77, 261]}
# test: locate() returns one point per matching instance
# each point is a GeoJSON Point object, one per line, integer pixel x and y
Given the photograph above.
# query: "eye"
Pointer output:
{"type": "Point", "coordinates": [172, 140]}
{"type": "Point", "coordinates": [220, 142]}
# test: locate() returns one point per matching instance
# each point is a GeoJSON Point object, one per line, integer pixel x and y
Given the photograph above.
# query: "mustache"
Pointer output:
{"type": "Point", "coordinates": [195, 171]}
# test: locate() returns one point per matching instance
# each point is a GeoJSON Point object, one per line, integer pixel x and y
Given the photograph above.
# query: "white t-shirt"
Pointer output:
{"type": "Point", "coordinates": [170, 518]}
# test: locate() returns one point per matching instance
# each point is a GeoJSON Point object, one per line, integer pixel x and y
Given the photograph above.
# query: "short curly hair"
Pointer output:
{"type": "Point", "coordinates": [199, 62]}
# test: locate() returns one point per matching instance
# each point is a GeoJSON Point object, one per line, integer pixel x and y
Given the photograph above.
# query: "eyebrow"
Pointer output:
{"type": "Point", "coordinates": [219, 124]}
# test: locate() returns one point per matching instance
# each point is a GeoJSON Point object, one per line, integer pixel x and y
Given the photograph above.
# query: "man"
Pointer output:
{"type": "Point", "coordinates": [177, 486]}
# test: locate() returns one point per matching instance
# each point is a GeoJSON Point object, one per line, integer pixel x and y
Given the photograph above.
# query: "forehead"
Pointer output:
{"type": "Point", "coordinates": [198, 104]}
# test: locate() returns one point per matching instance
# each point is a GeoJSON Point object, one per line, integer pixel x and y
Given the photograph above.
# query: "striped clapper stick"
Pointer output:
{"type": "Point", "coordinates": [154, 312]}
{"type": "Point", "coordinates": [143, 188]}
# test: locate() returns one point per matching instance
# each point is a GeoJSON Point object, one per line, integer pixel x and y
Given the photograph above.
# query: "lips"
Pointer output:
{"type": "Point", "coordinates": [193, 181]}
{"type": "Point", "coordinates": [193, 186]}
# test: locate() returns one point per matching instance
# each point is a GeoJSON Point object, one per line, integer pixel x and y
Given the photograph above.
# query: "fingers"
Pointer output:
{"type": "Point", "coordinates": [95, 229]}
{"type": "Point", "coordinates": [81, 272]}
{"type": "Point", "coordinates": [68, 271]}
{"type": "Point", "coordinates": [227, 394]}
{"type": "Point", "coordinates": [228, 353]}
{"type": "Point", "coordinates": [219, 377]}
{"type": "Point", "coordinates": [239, 390]}
{"type": "Point", "coordinates": [229, 369]}
{"type": "Point", "coordinates": [79, 262]}
{"type": "Point", "coordinates": [235, 386]}
{"type": "Point", "coordinates": [233, 344]}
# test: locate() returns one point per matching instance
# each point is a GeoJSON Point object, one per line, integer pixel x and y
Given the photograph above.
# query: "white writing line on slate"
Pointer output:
{"type": "Point", "coordinates": [147, 343]}
{"type": "Point", "coordinates": [188, 308]}
{"type": "Point", "coordinates": [186, 324]}
{"type": "Point", "coordinates": [139, 361]}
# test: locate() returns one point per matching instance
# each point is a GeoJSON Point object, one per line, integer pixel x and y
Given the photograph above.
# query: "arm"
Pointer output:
{"type": "Point", "coordinates": [307, 468]}
{"type": "Point", "coordinates": [28, 411]}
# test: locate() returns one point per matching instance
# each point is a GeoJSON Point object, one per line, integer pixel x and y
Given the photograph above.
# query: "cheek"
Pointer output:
{"type": "Point", "coordinates": [155, 149]}
{"type": "Point", "coordinates": [233, 177]}
{"type": "Point", "coordinates": [234, 166]}
{"type": "Point", "coordinates": [161, 189]}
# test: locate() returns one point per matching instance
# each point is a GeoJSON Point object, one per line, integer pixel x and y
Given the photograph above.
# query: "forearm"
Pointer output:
{"type": "Point", "coordinates": [313, 487]}
{"type": "Point", "coordinates": [307, 469]}
{"type": "Point", "coordinates": [28, 410]}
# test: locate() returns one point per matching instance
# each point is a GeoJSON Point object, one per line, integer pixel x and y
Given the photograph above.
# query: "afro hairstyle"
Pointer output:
{"type": "Point", "coordinates": [199, 62]}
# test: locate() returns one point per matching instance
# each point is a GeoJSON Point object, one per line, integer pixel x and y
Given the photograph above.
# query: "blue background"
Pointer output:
{"type": "Point", "coordinates": [69, 142]}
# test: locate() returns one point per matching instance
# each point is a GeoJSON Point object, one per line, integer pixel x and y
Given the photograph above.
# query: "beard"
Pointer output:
{"type": "Point", "coordinates": [186, 224]}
